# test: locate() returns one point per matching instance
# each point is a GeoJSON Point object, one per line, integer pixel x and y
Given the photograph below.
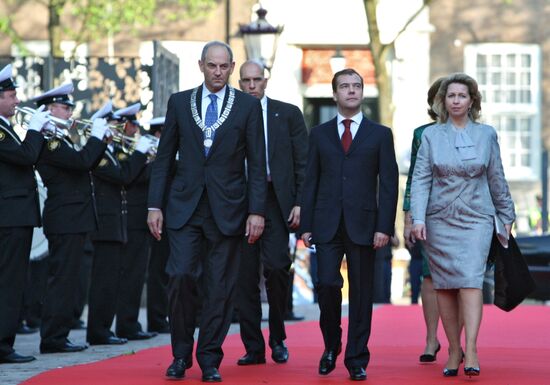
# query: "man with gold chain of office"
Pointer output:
{"type": "Point", "coordinates": [69, 215]}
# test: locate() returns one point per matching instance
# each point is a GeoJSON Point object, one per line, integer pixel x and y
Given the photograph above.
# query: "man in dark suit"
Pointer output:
{"type": "Point", "coordinates": [286, 144]}
{"type": "Point", "coordinates": [212, 128]}
{"type": "Point", "coordinates": [110, 177]}
{"type": "Point", "coordinates": [349, 204]}
{"type": "Point", "coordinates": [135, 252]}
{"type": "Point", "coordinates": [69, 215]}
{"type": "Point", "coordinates": [19, 212]}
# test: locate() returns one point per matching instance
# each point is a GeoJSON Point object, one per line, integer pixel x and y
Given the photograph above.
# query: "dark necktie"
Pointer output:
{"type": "Point", "coordinates": [346, 136]}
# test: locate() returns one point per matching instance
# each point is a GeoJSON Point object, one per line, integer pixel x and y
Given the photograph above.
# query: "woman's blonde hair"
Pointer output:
{"type": "Point", "coordinates": [473, 90]}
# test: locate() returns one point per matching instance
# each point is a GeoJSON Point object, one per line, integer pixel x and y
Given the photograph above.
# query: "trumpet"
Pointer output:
{"type": "Point", "coordinates": [62, 127]}
{"type": "Point", "coordinates": [83, 128]}
{"type": "Point", "coordinates": [59, 128]}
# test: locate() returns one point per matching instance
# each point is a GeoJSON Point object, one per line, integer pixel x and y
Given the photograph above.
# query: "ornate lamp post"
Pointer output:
{"type": "Point", "coordinates": [260, 39]}
{"type": "Point", "coordinates": [337, 61]}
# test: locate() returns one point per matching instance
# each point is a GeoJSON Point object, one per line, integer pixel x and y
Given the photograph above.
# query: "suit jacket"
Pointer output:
{"type": "Point", "coordinates": [222, 172]}
{"type": "Point", "coordinates": [440, 176]}
{"type": "Point", "coordinates": [287, 153]}
{"type": "Point", "coordinates": [66, 173]}
{"type": "Point", "coordinates": [361, 185]}
{"type": "Point", "coordinates": [110, 176]}
{"type": "Point", "coordinates": [19, 204]}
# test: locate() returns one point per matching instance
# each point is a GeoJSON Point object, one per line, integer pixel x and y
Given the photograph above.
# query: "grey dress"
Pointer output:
{"type": "Point", "coordinates": [458, 187]}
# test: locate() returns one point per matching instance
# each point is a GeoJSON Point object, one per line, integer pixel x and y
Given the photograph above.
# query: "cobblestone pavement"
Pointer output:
{"type": "Point", "coordinates": [12, 374]}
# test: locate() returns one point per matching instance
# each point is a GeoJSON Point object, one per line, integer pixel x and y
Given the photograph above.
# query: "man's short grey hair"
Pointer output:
{"type": "Point", "coordinates": [215, 43]}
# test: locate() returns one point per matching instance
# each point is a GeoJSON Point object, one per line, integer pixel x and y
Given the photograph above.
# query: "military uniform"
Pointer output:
{"type": "Point", "coordinates": [110, 176]}
{"type": "Point", "coordinates": [19, 213]}
{"type": "Point", "coordinates": [69, 214]}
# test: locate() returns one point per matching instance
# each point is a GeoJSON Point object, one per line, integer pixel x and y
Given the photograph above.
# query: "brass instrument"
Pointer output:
{"type": "Point", "coordinates": [59, 129]}
{"type": "Point", "coordinates": [83, 127]}
{"type": "Point", "coordinates": [126, 143]}
{"type": "Point", "coordinates": [153, 150]}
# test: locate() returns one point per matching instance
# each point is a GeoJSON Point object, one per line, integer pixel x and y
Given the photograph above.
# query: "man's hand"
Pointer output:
{"type": "Point", "coordinates": [419, 231]}
{"type": "Point", "coordinates": [254, 227]}
{"type": "Point", "coordinates": [380, 240]}
{"type": "Point", "coordinates": [154, 221]}
{"type": "Point", "coordinates": [306, 237]}
{"type": "Point", "coordinates": [294, 218]}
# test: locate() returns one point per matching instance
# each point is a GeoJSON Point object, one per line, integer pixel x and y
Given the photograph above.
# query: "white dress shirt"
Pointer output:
{"type": "Point", "coordinates": [206, 100]}
{"type": "Point", "coordinates": [355, 122]}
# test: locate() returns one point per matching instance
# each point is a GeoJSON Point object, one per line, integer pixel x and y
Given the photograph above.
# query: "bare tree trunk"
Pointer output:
{"type": "Point", "coordinates": [379, 57]}
{"type": "Point", "coordinates": [55, 8]}
{"type": "Point", "coordinates": [380, 53]}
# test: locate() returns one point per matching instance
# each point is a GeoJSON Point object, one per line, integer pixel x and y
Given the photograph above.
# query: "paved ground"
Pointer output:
{"type": "Point", "coordinates": [12, 374]}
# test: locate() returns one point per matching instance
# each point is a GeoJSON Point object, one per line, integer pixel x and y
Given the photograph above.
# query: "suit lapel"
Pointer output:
{"type": "Point", "coordinates": [363, 132]}
{"type": "Point", "coordinates": [273, 124]}
{"type": "Point", "coordinates": [333, 135]}
{"type": "Point", "coordinates": [197, 132]}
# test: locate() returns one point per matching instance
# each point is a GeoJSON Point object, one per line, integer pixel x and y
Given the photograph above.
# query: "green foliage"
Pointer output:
{"type": "Point", "coordinates": [95, 19]}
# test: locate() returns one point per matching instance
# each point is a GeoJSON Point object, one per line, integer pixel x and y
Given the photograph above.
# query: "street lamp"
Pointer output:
{"type": "Point", "coordinates": [337, 61]}
{"type": "Point", "coordinates": [260, 39]}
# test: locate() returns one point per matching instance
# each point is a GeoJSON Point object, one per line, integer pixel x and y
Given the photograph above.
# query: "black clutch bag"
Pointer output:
{"type": "Point", "coordinates": [513, 282]}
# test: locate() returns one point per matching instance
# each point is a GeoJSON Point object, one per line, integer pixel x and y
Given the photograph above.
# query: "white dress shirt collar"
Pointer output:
{"type": "Point", "coordinates": [206, 99]}
{"type": "Point", "coordinates": [355, 123]}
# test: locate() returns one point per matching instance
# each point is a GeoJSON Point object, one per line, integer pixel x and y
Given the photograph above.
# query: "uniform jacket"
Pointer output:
{"type": "Point", "coordinates": [361, 185]}
{"type": "Point", "coordinates": [110, 177]}
{"type": "Point", "coordinates": [222, 172]}
{"type": "Point", "coordinates": [66, 173]}
{"type": "Point", "coordinates": [440, 176]}
{"type": "Point", "coordinates": [287, 153]}
{"type": "Point", "coordinates": [136, 196]}
{"type": "Point", "coordinates": [19, 204]}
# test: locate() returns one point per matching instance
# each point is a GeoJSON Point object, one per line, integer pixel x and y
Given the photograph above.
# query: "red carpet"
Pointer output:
{"type": "Point", "coordinates": [514, 349]}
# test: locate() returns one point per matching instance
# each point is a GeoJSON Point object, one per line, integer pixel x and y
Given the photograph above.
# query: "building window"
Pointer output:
{"type": "Point", "coordinates": [509, 80]}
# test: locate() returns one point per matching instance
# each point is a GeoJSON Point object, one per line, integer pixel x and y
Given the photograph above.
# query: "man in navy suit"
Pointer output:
{"type": "Point", "coordinates": [349, 205]}
{"type": "Point", "coordinates": [286, 145]}
{"type": "Point", "coordinates": [212, 129]}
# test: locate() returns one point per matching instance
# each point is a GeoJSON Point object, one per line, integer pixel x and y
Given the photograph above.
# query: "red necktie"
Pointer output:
{"type": "Point", "coordinates": [346, 136]}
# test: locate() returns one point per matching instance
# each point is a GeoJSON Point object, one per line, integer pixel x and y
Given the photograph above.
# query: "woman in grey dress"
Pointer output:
{"type": "Point", "coordinates": [458, 187]}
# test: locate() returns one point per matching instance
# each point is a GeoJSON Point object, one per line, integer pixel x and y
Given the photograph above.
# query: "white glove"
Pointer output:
{"type": "Point", "coordinates": [143, 145]}
{"type": "Point", "coordinates": [49, 128]}
{"type": "Point", "coordinates": [39, 119]}
{"type": "Point", "coordinates": [99, 127]}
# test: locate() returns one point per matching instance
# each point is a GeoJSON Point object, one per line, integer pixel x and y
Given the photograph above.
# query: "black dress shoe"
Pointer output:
{"type": "Point", "coordinates": [211, 375]}
{"type": "Point", "coordinates": [176, 370]}
{"type": "Point", "coordinates": [111, 340]}
{"type": "Point", "coordinates": [67, 347]}
{"type": "Point", "coordinates": [139, 336]}
{"type": "Point", "coordinates": [430, 357]}
{"type": "Point", "coordinates": [279, 352]}
{"type": "Point", "coordinates": [14, 358]}
{"type": "Point", "coordinates": [251, 359]}
{"type": "Point", "coordinates": [328, 361]}
{"type": "Point", "coordinates": [26, 329]}
{"type": "Point", "coordinates": [357, 373]}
